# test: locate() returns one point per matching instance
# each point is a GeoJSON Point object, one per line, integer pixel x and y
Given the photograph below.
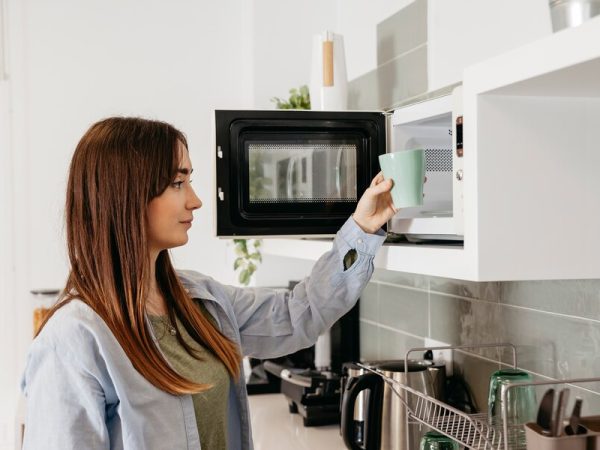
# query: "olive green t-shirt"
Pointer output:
{"type": "Point", "coordinates": [211, 405]}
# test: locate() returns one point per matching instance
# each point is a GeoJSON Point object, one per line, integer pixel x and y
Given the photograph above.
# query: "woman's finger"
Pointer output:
{"type": "Point", "coordinates": [384, 186]}
{"type": "Point", "coordinates": [378, 179]}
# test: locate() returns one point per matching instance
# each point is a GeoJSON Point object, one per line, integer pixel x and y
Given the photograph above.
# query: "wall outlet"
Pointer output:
{"type": "Point", "coordinates": [441, 356]}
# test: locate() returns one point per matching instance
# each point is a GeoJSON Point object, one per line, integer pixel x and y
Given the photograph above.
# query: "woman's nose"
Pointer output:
{"type": "Point", "coordinates": [193, 201]}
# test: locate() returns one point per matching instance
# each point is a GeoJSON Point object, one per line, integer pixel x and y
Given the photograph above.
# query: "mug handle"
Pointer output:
{"type": "Point", "coordinates": [355, 385]}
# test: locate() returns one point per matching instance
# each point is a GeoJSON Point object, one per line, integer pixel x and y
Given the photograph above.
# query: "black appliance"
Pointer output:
{"type": "Point", "coordinates": [312, 393]}
{"type": "Point", "coordinates": [262, 381]}
{"type": "Point", "coordinates": [296, 172]}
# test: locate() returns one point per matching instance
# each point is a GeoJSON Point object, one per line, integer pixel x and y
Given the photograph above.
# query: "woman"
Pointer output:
{"type": "Point", "coordinates": [136, 355]}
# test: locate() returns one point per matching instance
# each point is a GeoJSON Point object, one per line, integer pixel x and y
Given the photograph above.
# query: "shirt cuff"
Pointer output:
{"type": "Point", "coordinates": [351, 236]}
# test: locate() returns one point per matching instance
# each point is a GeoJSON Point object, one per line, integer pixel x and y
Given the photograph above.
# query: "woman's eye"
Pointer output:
{"type": "Point", "coordinates": [177, 184]}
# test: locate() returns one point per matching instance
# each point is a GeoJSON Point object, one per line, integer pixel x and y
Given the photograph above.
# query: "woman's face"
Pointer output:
{"type": "Point", "coordinates": [170, 214]}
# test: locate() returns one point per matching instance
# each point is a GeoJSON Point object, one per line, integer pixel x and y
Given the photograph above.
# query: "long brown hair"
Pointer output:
{"type": "Point", "coordinates": [119, 165]}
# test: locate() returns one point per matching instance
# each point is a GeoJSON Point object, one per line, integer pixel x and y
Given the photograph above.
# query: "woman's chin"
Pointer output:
{"type": "Point", "coordinates": [178, 243]}
{"type": "Point", "coordinates": [183, 241]}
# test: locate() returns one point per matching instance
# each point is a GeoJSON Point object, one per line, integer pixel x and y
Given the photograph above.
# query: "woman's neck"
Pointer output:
{"type": "Point", "coordinates": [155, 301]}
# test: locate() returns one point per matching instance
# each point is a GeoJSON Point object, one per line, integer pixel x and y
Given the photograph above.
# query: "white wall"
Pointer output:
{"type": "Point", "coordinates": [88, 60]}
{"type": "Point", "coordinates": [76, 62]}
{"type": "Point", "coordinates": [7, 353]}
{"type": "Point", "coordinates": [283, 31]}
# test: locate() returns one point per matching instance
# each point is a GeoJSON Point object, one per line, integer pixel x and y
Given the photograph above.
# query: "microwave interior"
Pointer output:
{"type": "Point", "coordinates": [435, 218]}
{"type": "Point", "coordinates": [293, 172]}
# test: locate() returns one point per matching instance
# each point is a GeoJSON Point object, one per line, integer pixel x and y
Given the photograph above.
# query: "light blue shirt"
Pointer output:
{"type": "Point", "coordinates": [83, 392]}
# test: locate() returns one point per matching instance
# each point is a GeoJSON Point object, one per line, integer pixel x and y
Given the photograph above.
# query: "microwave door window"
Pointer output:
{"type": "Point", "coordinates": [263, 173]}
{"type": "Point", "coordinates": [334, 173]}
{"type": "Point", "coordinates": [283, 166]}
{"type": "Point", "coordinates": [299, 173]}
{"type": "Point", "coordinates": [299, 184]}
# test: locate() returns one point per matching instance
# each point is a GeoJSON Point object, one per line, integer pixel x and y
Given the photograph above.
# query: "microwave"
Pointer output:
{"type": "Point", "coordinates": [301, 173]}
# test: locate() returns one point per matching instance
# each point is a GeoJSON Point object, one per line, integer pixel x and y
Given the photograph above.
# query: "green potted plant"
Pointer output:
{"type": "Point", "coordinates": [248, 253]}
{"type": "Point", "coordinates": [299, 99]}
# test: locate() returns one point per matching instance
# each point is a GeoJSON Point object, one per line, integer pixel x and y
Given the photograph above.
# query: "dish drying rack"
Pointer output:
{"type": "Point", "coordinates": [469, 430]}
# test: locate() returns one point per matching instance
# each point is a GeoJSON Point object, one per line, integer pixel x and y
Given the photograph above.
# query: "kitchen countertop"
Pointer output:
{"type": "Point", "coordinates": [274, 427]}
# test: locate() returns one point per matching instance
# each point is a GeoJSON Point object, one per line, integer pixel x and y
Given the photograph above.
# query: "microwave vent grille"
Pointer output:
{"type": "Point", "coordinates": [438, 160]}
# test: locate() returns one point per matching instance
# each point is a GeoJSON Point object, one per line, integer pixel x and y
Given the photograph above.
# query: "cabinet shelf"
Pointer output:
{"type": "Point", "coordinates": [434, 260]}
{"type": "Point", "coordinates": [563, 64]}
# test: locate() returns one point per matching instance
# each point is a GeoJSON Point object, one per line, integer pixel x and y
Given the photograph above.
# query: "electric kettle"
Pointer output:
{"type": "Point", "coordinates": [383, 412]}
{"type": "Point", "coordinates": [350, 372]}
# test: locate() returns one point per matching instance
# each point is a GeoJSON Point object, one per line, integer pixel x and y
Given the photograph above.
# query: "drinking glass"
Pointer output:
{"type": "Point", "coordinates": [436, 441]}
{"type": "Point", "coordinates": [520, 405]}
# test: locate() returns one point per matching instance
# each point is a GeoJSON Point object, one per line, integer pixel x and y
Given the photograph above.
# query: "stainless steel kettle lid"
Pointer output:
{"type": "Point", "coordinates": [398, 366]}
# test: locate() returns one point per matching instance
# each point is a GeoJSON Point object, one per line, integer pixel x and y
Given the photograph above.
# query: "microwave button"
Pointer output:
{"type": "Point", "coordinates": [219, 152]}
{"type": "Point", "coordinates": [221, 194]}
{"type": "Point", "coordinates": [459, 174]}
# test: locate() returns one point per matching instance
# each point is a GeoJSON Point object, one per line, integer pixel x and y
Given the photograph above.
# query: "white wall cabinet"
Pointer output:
{"type": "Point", "coordinates": [531, 169]}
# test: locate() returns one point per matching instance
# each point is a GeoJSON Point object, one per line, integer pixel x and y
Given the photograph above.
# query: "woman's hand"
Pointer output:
{"type": "Point", "coordinates": [375, 207]}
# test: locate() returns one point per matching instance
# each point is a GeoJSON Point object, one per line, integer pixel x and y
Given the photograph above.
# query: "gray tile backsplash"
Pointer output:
{"type": "Point", "coordinates": [369, 342]}
{"type": "Point", "coordinates": [579, 298]}
{"type": "Point", "coordinates": [402, 279]}
{"type": "Point", "coordinates": [402, 31]}
{"type": "Point", "coordinates": [393, 345]}
{"type": "Point", "coordinates": [369, 302]}
{"type": "Point", "coordinates": [409, 315]}
{"type": "Point", "coordinates": [401, 78]}
{"type": "Point", "coordinates": [468, 289]}
{"type": "Point", "coordinates": [555, 325]}
{"type": "Point", "coordinates": [402, 62]}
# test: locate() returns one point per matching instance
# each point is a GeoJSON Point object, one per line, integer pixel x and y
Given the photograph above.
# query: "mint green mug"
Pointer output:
{"type": "Point", "coordinates": [407, 169]}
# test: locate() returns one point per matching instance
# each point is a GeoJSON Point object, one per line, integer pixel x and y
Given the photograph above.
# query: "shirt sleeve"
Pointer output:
{"type": "Point", "coordinates": [275, 323]}
{"type": "Point", "coordinates": [65, 403]}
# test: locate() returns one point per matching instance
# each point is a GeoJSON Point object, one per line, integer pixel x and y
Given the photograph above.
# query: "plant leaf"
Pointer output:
{"type": "Point", "coordinates": [255, 256]}
{"type": "Point", "coordinates": [244, 277]}
{"type": "Point", "coordinates": [238, 262]}
{"type": "Point", "coordinates": [243, 245]}
{"type": "Point", "coordinates": [299, 99]}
